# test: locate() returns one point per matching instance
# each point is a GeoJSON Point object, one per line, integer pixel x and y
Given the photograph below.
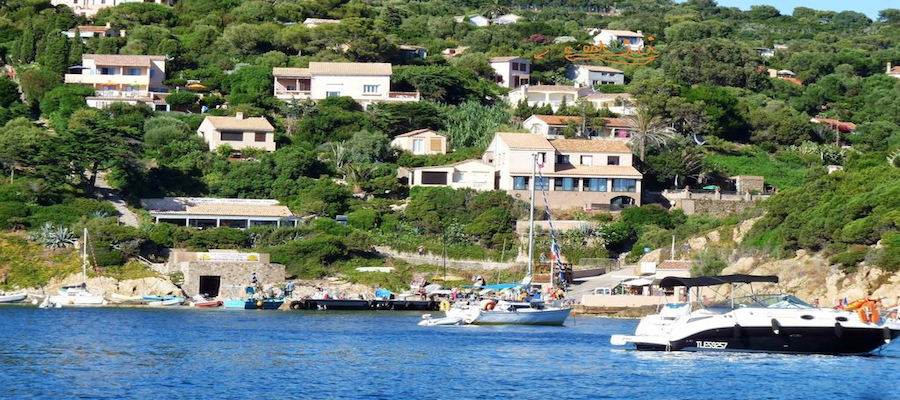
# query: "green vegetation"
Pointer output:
{"type": "Point", "coordinates": [708, 108]}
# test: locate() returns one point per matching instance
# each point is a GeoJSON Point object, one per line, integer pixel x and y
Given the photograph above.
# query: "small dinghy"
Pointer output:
{"type": "Point", "coordinates": [12, 298]}
{"type": "Point", "coordinates": [167, 303]}
{"type": "Point", "coordinates": [200, 301]}
{"type": "Point", "coordinates": [161, 298]}
{"type": "Point", "coordinates": [428, 320]}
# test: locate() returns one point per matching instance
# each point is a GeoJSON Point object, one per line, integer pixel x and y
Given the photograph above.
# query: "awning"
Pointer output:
{"type": "Point", "coordinates": [638, 282]}
{"type": "Point", "coordinates": [672, 281]}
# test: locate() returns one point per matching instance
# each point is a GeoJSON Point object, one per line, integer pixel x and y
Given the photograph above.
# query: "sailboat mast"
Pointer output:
{"type": "Point", "coordinates": [531, 221]}
{"type": "Point", "coordinates": [84, 250]}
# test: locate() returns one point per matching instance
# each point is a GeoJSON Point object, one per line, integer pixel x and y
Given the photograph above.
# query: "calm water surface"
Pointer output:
{"type": "Point", "coordinates": [118, 353]}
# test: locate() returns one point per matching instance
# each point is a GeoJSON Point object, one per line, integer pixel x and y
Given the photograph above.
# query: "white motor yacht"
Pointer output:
{"type": "Point", "coordinates": [772, 323]}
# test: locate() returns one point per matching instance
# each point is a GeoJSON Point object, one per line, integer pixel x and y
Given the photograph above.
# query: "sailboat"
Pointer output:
{"type": "Point", "coordinates": [76, 295]}
{"type": "Point", "coordinates": [503, 312]}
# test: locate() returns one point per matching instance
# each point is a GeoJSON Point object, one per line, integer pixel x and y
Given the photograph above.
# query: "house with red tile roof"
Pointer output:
{"type": "Point", "coordinates": [421, 142]}
{"type": "Point", "coordinates": [553, 126]}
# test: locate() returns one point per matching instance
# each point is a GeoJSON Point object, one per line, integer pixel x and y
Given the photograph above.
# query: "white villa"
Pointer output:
{"type": "Point", "coordinates": [202, 212]}
{"type": "Point", "coordinates": [88, 32]}
{"type": "Point", "coordinates": [238, 132]}
{"type": "Point", "coordinates": [122, 78]}
{"type": "Point", "coordinates": [89, 8]}
{"type": "Point", "coordinates": [552, 126]}
{"type": "Point", "coordinates": [554, 95]}
{"type": "Point", "coordinates": [590, 174]}
{"type": "Point", "coordinates": [592, 75]}
{"type": "Point", "coordinates": [634, 40]}
{"type": "Point", "coordinates": [421, 142]}
{"type": "Point", "coordinates": [511, 72]}
{"type": "Point", "coordinates": [474, 19]}
{"type": "Point", "coordinates": [619, 103]}
{"type": "Point", "coordinates": [366, 83]}
{"type": "Point", "coordinates": [506, 19]}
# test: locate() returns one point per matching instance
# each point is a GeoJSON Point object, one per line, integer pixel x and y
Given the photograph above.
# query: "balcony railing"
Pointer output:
{"type": "Point", "coordinates": [137, 94]}
{"type": "Point", "coordinates": [411, 96]}
{"type": "Point", "coordinates": [136, 80]}
{"type": "Point", "coordinates": [285, 92]}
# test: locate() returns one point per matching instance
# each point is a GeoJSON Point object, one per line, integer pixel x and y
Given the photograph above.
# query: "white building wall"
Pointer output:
{"type": "Point", "coordinates": [352, 86]}
{"type": "Point", "coordinates": [214, 138]}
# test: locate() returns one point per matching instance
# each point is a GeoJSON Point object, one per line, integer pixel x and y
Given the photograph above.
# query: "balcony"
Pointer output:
{"type": "Point", "coordinates": [404, 96]}
{"type": "Point", "coordinates": [285, 94]}
{"type": "Point", "coordinates": [120, 94]}
{"type": "Point", "coordinates": [133, 80]}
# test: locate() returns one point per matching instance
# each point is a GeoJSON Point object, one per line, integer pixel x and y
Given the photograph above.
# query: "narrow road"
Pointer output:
{"type": "Point", "coordinates": [106, 192]}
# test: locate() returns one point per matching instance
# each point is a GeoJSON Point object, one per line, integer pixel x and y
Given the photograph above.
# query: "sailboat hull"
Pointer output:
{"type": "Point", "coordinates": [89, 300]}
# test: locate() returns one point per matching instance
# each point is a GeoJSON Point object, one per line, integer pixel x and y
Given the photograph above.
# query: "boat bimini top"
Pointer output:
{"type": "Point", "coordinates": [671, 281]}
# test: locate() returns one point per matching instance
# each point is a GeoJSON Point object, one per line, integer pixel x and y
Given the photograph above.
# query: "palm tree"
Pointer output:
{"type": "Point", "coordinates": [649, 127]}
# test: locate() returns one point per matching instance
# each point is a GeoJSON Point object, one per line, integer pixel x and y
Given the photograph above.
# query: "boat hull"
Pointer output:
{"type": "Point", "coordinates": [797, 340]}
{"type": "Point", "coordinates": [252, 304]}
{"type": "Point", "coordinates": [208, 304]}
{"type": "Point", "coordinates": [13, 298]}
{"type": "Point", "coordinates": [77, 300]}
{"type": "Point", "coordinates": [551, 317]}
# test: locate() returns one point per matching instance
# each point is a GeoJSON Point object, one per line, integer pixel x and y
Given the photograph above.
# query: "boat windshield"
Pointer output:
{"type": "Point", "coordinates": [763, 301]}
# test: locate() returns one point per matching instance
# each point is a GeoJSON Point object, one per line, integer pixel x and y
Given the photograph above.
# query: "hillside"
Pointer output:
{"type": "Point", "coordinates": [731, 92]}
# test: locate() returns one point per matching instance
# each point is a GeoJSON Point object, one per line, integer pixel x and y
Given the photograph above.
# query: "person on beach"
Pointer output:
{"type": "Point", "coordinates": [289, 289]}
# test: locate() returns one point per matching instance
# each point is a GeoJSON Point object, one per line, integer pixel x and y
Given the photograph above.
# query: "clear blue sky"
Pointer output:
{"type": "Point", "coordinates": [868, 7]}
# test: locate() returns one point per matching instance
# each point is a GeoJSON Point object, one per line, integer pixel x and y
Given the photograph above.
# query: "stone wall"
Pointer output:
{"type": "Point", "coordinates": [232, 274]}
{"type": "Point", "coordinates": [715, 208]}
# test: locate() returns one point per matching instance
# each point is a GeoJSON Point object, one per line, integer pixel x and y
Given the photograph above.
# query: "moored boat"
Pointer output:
{"type": "Point", "coordinates": [770, 323]}
{"type": "Point", "coordinates": [76, 295]}
{"type": "Point", "coordinates": [167, 303]}
{"type": "Point", "coordinates": [13, 298]}
{"type": "Point", "coordinates": [201, 301]}
{"type": "Point", "coordinates": [254, 304]}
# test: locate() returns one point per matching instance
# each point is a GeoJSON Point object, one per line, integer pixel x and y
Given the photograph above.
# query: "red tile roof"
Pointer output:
{"type": "Point", "coordinates": [563, 120]}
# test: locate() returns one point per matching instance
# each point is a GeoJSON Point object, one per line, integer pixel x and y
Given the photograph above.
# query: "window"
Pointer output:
{"type": "Point", "coordinates": [260, 136]}
{"type": "Point", "coordinates": [332, 94]}
{"type": "Point", "coordinates": [515, 66]}
{"type": "Point", "coordinates": [232, 136]}
{"type": "Point", "coordinates": [134, 71]}
{"type": "Point", "coordinates": [612, 160]}
{"type": "Point", "coordinates": [370, 89]}
{"type": "Point", "coordinates": [107, 71]}
{"type": "Point", "coordinates": [564, 184]}
{"type": "Point", "coordinates": [520, 183]}
{"type": "Point", "coordinates": [562, 159]}
{"type": "Point", "coordinates": [418, 146]}
{"type": "Point", "coordinates": [542, 157]}
{"type": "Point", "coordinates": [434, 178]}
{"type": "Point", "coordinates": [541, 183]}
{"type": "Point", "coordinates": [594, 184]}
{"type": "Point", "coordinates": [290, 88]}
{"type": "Point", "coordinates": [587, 160]}
{"type": "Point", "coordinates": [459, 177]}
{"type": "Point", "coordinates": [624, 185]}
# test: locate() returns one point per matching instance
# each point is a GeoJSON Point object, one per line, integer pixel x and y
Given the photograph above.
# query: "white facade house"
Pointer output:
{"type": "Point", "coordinates": [619, 103]}
{"type": "Point", "coordinates": [593, 75]}
{"type": "Point", "coordinates": [314, 22]}
{"type": "Point", "coordinates": [238, 132]}
{"type": "Point", "coordinates": [122, 78]}
{"type": "Point", "coordinates": [421, 142]}
{"type": "Point", "coordinates": [88, 32]}
{"type": "Point", "coordinates": [89, 8]}
{"type": "Point", "coordinates": [366, 83]}
{"type": "Point", "coordinates": [554, 126]}
{"type": "Point", "coordinates": [893, 72]}
{"type": "Point", "coordinates": [506, 19]}
{"type": "Point", "coordinates": [633, 40]}
{"type": "Point", "coordinates": [589, 174]}
{"type": "Point", "coordinates": [203, 212]}
{"type": "Point", "coordinates": [474, 19]}
{"type": "Point", "coordinates": [472, 174]}
{"type": "Point", "coordinates": [511, 72]}
{"type": "Point", "coordinates": [554, 95]}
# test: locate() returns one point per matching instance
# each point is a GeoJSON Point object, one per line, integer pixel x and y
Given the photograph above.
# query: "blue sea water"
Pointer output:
{"type": "Point", "coordinates": [118, 353]}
